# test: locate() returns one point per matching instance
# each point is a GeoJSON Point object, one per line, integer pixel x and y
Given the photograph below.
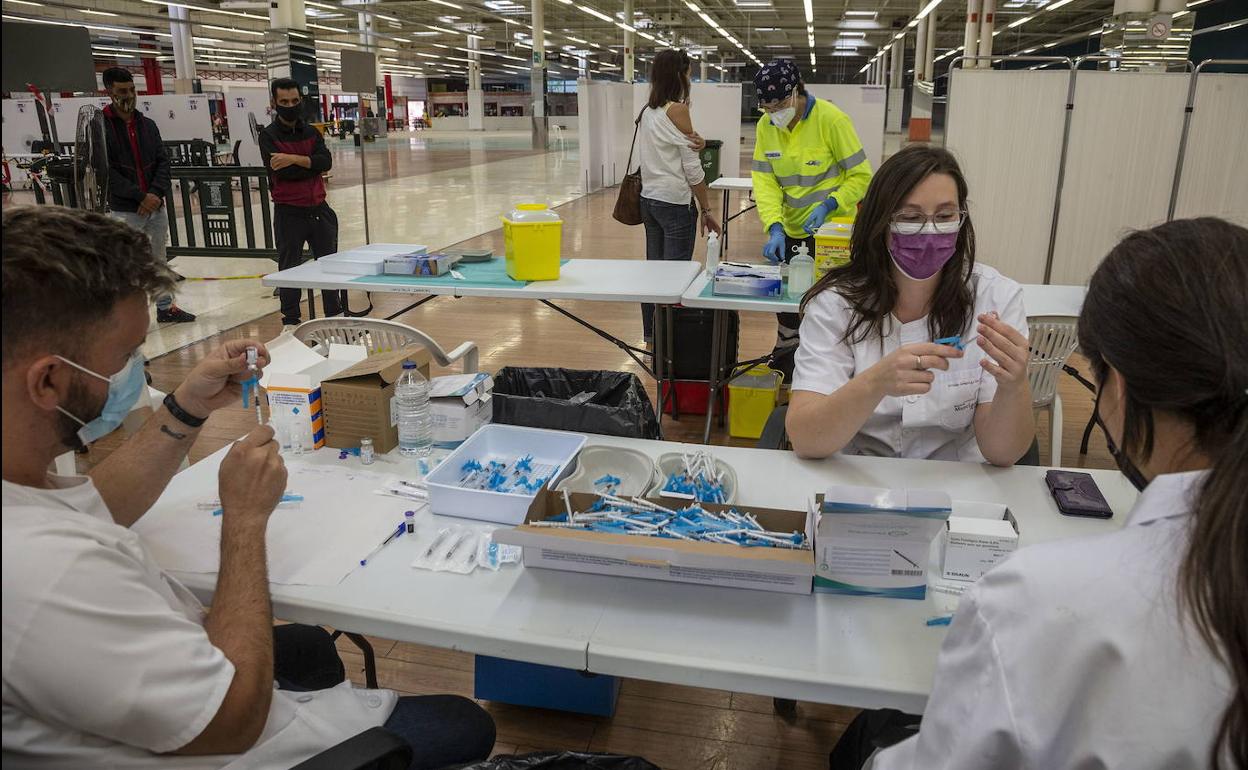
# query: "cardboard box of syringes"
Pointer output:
{"type": "Point", "coordinates": [783, 570]}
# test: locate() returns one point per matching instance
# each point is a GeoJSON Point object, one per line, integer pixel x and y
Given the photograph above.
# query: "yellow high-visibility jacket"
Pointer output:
{"type": "Point", "coordinates": [794, 171]}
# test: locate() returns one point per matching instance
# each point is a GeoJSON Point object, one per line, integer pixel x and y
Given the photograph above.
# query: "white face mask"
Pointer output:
{"type": "Point", "coordinates": [782, 118]}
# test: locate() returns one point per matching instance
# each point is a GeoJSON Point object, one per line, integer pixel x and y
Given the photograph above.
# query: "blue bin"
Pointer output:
{"type": "Point", "coordinates": [548, 687]}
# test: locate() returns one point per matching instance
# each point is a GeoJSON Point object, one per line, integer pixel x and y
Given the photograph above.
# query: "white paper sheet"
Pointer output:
{"type": "Point", "coordinates": [319, 542]}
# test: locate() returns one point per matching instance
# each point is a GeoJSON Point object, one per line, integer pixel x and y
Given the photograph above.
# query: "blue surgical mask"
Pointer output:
{"type": "Point", "coordinates": [124, 389]}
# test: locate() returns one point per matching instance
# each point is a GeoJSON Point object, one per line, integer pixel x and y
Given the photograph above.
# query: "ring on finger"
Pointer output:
{"type": "Point", "coordinates": [918, 362]}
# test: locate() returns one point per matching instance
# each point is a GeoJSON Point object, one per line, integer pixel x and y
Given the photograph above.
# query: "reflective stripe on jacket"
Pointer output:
{"type": "Point", "coordinates": [794, 171]}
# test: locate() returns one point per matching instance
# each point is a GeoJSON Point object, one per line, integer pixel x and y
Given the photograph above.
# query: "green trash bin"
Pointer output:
{"type": "Point", "coordinates": [710, 159]}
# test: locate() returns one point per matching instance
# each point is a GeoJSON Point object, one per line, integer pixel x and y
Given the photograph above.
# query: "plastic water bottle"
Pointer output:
{"type": "Point", "coordinates": [712, 253]}
{"type": "Point", "coordinates": [411, 394]}
{"type": "Point", "coordinates": [801, 271]}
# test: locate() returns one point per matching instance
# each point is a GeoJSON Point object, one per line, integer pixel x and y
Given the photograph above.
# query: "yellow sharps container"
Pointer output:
{"type": "Point", "coordinates": [531, 238]}
{"type": "Point", "coordinates": [832, 244]}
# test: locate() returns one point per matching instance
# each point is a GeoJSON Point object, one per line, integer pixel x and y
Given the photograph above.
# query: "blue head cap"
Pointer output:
{"type": "Point", "coordinates": [776, 80]}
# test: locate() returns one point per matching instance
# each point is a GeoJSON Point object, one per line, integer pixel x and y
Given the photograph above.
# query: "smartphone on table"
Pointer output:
{"type": "Point", "coordinates": [1076, 494]}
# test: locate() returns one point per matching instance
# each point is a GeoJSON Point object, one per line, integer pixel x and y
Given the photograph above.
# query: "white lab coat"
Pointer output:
{"type": "Point", "coordinates": [106, 662]}
{"type": "Point", "coordinates": [938, 425]}
{"type": "Point", "coordinates": [1071, 655]}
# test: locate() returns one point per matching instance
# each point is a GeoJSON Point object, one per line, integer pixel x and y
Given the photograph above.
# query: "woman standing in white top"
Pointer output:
{"type": "Point", "coordinates": [1127, 649]}
{"type": "Point", "coordinates": [671, 172]}
{"type": "Point", "coordinates": [871, 376]}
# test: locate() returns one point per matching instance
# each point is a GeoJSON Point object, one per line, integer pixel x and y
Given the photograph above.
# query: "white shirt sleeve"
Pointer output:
{"type": "Point", "coordinates": [690, 163]}
{"type": "Point", "coordinates": [1009, 307]}
{"type": "Point", "coordinates": [823, 362]}
{"type": "Point", "coordinates": [103, 652]}
{"type": "Point", "coordinates": [969, 721]}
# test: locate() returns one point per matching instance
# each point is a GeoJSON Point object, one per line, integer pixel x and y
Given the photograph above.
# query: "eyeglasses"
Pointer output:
{"type": "Point", "coordinates": [912, 222]}
{"type": "Point", "coordinates": [778, 104]}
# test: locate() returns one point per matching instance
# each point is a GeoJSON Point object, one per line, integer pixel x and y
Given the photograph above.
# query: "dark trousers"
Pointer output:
{"type": "Point", "coordinates": [293, 226]}
{"type": "Point", "coordinates": [442, 730]}
{"type": "Point", "coordinates": [671, 231]}
{"type": "Point", "coordinates": [871, 730]}
{"type": "Point", "coordinates": [787, 323]}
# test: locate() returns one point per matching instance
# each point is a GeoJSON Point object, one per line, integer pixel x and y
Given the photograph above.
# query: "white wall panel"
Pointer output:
{"type": "Point", "coordinates": [715, 109]}
{"type": "Point", "coordinates": [1215, 169]}
{"type": "Point", "coordinates": [606, 130]}
{"type": "Point", "coordinates": [1005, 127]}
{"type": "Point", "coordinates": [239, 103]}
{"type": "Point", "coordinates": [865, 107]}
{"type": "Point", "coordinates": [1124, 138]}
{"type": "Point", "coordinates": [178, 116]}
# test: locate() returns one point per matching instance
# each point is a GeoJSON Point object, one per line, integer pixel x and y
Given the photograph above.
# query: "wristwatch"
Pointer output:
{"type": "Point", "coordinates": [181, 415]}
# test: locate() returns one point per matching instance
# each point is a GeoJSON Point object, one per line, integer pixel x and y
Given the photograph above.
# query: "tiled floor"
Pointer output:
{"type": "Point", "coordinates": [675, 727]}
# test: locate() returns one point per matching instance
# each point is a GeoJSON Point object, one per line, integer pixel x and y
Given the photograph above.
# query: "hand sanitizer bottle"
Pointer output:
{"type": "Point", "coordinates": [801, 271]}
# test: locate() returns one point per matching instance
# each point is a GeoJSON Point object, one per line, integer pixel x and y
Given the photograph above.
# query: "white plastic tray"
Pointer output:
{"type": "Point", "coordinates": [504, 443]}
{"type": "Point", "coordinates": [637, 472]}
{"type": "Point", "coordinates": [672, 462]}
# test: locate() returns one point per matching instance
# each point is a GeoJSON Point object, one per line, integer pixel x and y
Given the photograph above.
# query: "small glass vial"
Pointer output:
{"type": "Point", "coordinates": [366, 451]}
{"type": "Point", "coordinates": [409, 518]}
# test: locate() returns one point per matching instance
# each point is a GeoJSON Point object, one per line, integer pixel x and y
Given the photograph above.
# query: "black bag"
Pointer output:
{"type": "Point", "coordinates": [564, 760]}
{"type": "Point", "coordinates": [606, 403]}
{"type": "Point", "coordinates": [628, 202]}
{"type": "Point", "coordinates": [691, 343]}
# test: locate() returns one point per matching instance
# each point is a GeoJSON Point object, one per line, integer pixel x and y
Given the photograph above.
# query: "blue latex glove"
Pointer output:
{"type": "Point", "coordinates": [774, 249]}
{"type": "Point", "coordinates": [821, 212]}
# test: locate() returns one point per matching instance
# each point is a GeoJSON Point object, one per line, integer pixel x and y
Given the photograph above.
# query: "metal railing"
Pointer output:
{"type": "Point", "coordinates": [224, 232]}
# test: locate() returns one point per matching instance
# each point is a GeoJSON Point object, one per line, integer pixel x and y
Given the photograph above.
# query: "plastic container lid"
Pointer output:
{"type": "Point", "coordinates": [532, 212]}
{"type": "Point", "coordinates": [409, 364]}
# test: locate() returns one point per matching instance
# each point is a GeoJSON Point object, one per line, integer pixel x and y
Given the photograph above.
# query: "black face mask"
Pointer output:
{"type": "Point", "coordinates": [1123, 462]}
{"type": "Point", "coordinates": [290, 114]}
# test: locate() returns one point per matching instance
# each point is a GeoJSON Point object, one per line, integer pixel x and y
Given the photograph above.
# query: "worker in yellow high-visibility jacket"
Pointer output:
{"type": "Point", "coordinates": [808, 165]}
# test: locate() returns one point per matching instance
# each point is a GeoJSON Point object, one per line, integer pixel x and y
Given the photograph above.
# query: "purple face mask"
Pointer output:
{"type": "Point", "coordinates": [921, 255]}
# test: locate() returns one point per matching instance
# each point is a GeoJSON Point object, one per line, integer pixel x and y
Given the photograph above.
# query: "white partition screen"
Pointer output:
{"type": "Point", "coordinates": [865, 107]}
{"type": "Point", "coordinates": [1124, 138]}
{"type": "Point", "coordinates": [606, 132]}
{"type": "Point", "coordinates": [179, 117]}
{"type": "Point", "coordinates": [239, 103]}
{"type": "Point", "coordinates": [1215, 167]}
{"type": "Point", "coordinates": [1005, 127]}
{"type": "Point", "coordinates": [715, 109]}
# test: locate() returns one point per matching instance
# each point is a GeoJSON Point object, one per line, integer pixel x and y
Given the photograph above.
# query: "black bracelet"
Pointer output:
{"type": "Point", "coordinates": [181, 415]}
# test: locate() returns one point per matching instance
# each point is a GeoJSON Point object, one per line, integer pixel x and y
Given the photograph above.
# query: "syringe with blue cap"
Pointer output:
{"type": "Point", "coordinates": [251, 388]}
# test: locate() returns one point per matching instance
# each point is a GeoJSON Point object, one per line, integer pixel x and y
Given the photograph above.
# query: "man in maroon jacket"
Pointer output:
{"type": "Point", "coordinates": [296, 156]}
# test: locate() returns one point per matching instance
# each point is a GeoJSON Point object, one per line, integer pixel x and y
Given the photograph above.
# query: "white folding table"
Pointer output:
{"type": "Point", "coordinates": [661, 283]}
{"type": "Point", "coordinates": [855, 651]}
{"type": "Point", "coordinates": [730, 184]}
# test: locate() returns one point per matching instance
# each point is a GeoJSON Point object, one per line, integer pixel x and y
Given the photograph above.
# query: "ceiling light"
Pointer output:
{"type": "Point", "coordinates": [448, 4]}
{"type": "Point", "coordinates": [1057, 5]}
{"type": "Point", "coordinates": [863, 14]}
{"type": "Point", "coordinates": [625, 27]}
{"type": "Point", "coordinates": [335, 42]}
{"type": "Point", "coordinates": [931, 6]}
{"type": "Point", "coordinates": [390, 50]}
{"type": "Point", "coordinates": [26, 2]}
{"type": "Point", "coordinates": [440, 29]}
{"type": "Point", "coordinates": [54, 23]}
{"type": "Point", "coordinates": [237, 31]}
{"type": "Point", "coordinates": [204, 9]}
{"type": "Point", "coordinates": [812, 58]}
{"type": "Point", "coordinates": [810, 11]}
{"type": "Point", "coordinates": [1019, 22]}
{"type": "Point", "coordinates": [596, 13]}
{"type": "Point", "coordinates": [97, 13]}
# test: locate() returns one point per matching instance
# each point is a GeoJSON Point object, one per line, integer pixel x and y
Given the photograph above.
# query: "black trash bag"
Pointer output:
{"type": "Point", "coordinates": [565, 760]}
{"type": "Point", "coordinates": [606, 403]}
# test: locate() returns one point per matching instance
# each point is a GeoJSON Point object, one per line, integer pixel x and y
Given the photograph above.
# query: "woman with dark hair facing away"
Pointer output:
{"type": "Point", "coordinates": [671, 173]}
{"type": "Point", "coordinates": [912, 349]}
{"type": "Point", "coordinates": [1127, 649]}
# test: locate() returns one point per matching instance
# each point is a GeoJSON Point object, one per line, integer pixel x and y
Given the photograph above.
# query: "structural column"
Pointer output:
{"type": "Point", "coordinates": [896, 79]}
{"type": "Point", "coordinates": [920, 50]}
{"type": "Point", "coordinates": [183, 49]}
{"type": "Point", "coordinates": [703, 65]}
{"type": "Point", "coordinates": [970, 38]}
{"type": "Point", "coordinates": [629, 53]}
{"type": "Point", "coordinates": [987, 8]}
{"type": "Point", "coordinates": [537, 77]}
{"type": "Point", "coordinates": [920, 128]}
{"type": "Point", "coordinates": [929, 55]}
{"type": "Point", "coordinates": [476, 96]}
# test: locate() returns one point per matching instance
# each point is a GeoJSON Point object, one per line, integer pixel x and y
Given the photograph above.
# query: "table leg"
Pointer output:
{"type": "Point", "coordinates": [669, 366]}
{"type": "Point", "coordinates": [712, 385]}
{"type": "Point", "coordinates": [660, 368]}
{"type": "Point", "coordinates": [311, 304]}
{"type": "Point", "coordinates": [724, 241]}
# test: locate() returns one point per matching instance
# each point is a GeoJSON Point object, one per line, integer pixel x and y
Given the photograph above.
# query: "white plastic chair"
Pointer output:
{"type": "Point", "coordinates": [1052, 339]}
{"type": "Point", "coordinates": [381, 336]}
{"type": "Point", "coordinates": [558, 129]}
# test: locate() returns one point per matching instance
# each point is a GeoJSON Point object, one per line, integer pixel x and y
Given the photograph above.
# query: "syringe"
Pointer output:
{"type": "Point", "coordinates": [252, 360]}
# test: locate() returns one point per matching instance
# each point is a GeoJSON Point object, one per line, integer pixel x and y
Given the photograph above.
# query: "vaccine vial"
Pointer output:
{"type": "Point", "coordinates": [409, 517]}
{"type": "Point", "coordinates": [366, 451]}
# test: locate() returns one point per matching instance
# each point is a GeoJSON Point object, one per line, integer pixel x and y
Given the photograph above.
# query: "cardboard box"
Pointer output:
{"type": "Point", "coordinates": [974, 545]}
{"type": "Point", "coordinates": [420, 264]}
{"type": "Point", "coordinates": [292, 382]}
{"type": "Point", "coordinates": [873, 541]}
{"type": "Point", "coordinates": [766, 569]}
{"type": "Point", "coordinates": [748, 280]}
{"type": "Point", "coordinates": [359, 401]}
{"type": "Point", "coordinates": [460, 404]}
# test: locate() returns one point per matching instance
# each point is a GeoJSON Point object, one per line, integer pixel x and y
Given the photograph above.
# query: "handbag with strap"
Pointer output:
{"type": "Point", "coordinates": [628, 203]}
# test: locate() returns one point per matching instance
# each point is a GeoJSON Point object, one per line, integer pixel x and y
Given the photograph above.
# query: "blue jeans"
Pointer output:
{"type": "Point", "coordinates": [156, 227]}
{"type": "Point", "coordinates": [671, 231]}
